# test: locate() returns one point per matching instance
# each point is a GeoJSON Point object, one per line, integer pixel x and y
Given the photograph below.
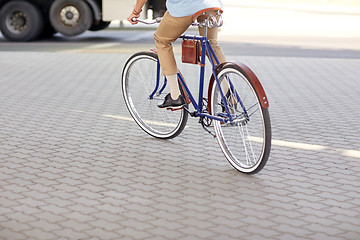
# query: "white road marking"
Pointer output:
{"type": "Point", "coordinates": [102, 45]}
{"type": "Point", "coordinates": [147, 121]}
{"type": "Point", "coordinates": [274, 142]}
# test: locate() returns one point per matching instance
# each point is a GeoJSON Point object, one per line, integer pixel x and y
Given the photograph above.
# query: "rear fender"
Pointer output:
{"type": "Point", "coordinates": [246, 71]}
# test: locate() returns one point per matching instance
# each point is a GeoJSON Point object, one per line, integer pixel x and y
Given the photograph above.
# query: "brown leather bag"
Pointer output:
{"type": "Point", "coordinates": [191, 51]}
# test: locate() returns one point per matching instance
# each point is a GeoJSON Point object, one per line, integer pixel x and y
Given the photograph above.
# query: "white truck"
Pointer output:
{"type": "Point", "coordinates": [27, 20]}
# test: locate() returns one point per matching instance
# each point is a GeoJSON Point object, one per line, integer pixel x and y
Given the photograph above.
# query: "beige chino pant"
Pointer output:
{"type": "Point", "coordinates": [168, 31]}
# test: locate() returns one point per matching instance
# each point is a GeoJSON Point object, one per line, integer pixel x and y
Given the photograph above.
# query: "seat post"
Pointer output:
{"type": "Point", "coordinates": [205, 29]}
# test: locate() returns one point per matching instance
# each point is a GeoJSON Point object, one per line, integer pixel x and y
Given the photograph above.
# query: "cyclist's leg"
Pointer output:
{"type": "Point", "coordinates": [168, 31]}
{"type": "Point", "coordinates": [212, 35]}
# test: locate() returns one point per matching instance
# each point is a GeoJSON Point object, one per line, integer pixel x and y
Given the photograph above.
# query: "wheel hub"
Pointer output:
{"type": "Point", "coordinates": [17, 21]}
{"type": "Point", "coordinates": [69, 16]}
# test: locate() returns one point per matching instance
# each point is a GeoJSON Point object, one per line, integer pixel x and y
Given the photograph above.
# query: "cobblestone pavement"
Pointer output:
{"type": "Point", "coordinates": [74, 166]}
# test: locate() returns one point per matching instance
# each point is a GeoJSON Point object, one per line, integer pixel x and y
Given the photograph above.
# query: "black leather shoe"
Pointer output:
{"type": "Point", "coordinates": [171, 103]}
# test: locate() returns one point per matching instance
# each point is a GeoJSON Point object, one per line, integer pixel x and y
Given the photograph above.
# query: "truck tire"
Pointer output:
{"type": "Point", "coordinates": [21, 21]}
{"type": "Point", "coordinates": [70, 17]}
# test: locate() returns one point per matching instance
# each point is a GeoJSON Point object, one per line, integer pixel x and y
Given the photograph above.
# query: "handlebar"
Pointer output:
{"type": "Point", "coordinates": [148, 22]}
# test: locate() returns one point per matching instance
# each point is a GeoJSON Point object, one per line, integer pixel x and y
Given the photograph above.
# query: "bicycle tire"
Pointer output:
{"type": "Point", "coordinates": [246, 139]}
{"type": "Point", "coordinates": [138, 82]}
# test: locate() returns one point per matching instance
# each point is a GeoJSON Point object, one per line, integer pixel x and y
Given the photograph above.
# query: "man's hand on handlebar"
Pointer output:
{"type": "Point", "coordinates": [134, 16]}
{"type": "Point", "coordinates": [133, 19]}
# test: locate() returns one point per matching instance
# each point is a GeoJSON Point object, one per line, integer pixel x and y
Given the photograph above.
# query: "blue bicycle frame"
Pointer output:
{"type": "Point", "coordinates": [209, 51]}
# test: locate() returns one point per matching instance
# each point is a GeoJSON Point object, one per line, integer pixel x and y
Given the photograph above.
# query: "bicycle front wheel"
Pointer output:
{"type": "Point", "coordinates": [143, 92]}
{"type": "Point", "coordinates": [245, 137]}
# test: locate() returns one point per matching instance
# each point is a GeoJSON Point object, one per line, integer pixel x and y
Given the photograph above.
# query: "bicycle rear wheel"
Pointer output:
{"type": "Point", "coordinates": [246, 138]}
{"type": "Point", "coordinates": [139, 81]}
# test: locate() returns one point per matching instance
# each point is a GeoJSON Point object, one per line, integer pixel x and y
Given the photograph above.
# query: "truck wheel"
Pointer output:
{"type": "Point", "coordinates": [70, 17]}
{"type": "Point", "coordinates": [21, 21]}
